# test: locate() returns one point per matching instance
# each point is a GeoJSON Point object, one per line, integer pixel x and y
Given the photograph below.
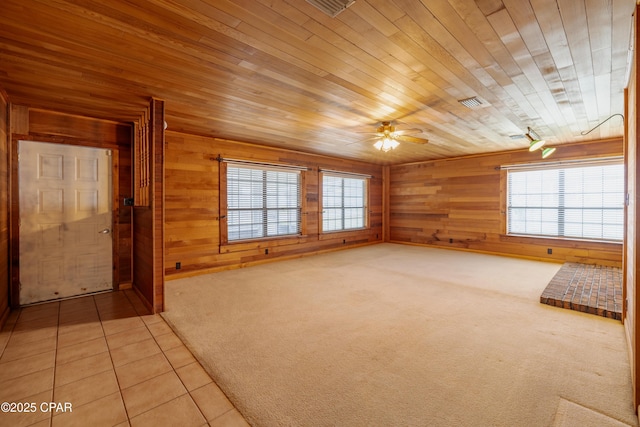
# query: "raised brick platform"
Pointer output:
{"type": "Point", "coordinates": [593, 289]}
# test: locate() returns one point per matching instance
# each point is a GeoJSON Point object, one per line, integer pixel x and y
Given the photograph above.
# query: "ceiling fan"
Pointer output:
{"type": "Point", "coordinates": [389, 135]}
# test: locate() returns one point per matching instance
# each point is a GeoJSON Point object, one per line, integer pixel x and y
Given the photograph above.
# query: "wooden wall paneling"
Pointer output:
{"type": "Point", "coordinates": [632, 243]}
{"type": "Point", "coordinates": [142, 276]}
{"type": "Point", "coordinates": [5, 305]}
{"type": "Point", "coordinates": [157, 179]}
{"type": "Point", "coordinates": [124, 219]}
{"type": "Point", "coordinates": [18, 126]}
{"type": "Point", "coordinates": [68, 127]}
{"type": "Point", "coordinates": [55, 127]}
{"type": "Point", "coordinates": [194, 193]}
{"type": "Point", "coordinates": [385, 202]}
{"type": "Point", "coordinates": [459, 203]}
{"type": "Point", "coordinates": [148, 220]}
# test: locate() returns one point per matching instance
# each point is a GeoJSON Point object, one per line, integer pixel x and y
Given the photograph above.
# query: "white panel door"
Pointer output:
{"type": "Point", "coordinates": [65, 221]}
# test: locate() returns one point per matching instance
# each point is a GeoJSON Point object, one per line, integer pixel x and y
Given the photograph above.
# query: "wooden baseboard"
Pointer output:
{"type": "Point", "coordinates": [124, 286]}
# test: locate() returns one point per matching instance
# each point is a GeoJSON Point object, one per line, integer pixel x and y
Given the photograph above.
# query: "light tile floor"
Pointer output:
{"type": "Point", "coordinates": [108, 361]}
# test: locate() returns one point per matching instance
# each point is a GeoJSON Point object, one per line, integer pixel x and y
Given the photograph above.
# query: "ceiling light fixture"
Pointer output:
{"type": "Point", "coordinates": [535, 141]}
{"type": "Point", "coordinates": [386, 144]}
{"type": "Point", "coordinates": [547, 152]}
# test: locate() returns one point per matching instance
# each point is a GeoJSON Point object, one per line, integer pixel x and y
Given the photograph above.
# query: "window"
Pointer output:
{"type": "Point", "coordinates": [262, 202]}
{"type": "Point", "coordinates": [343, 202]}
{"type": "Point", "coordinates": [575, 202]}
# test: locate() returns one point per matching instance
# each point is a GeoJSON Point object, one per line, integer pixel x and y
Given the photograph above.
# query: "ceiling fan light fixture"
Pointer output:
{"type": "Point", "coordinates": [547, 152]}
{"type": "Point", "coordinates": [535, 141]}
{"type": "Point", "coordinates": [386, 144]}
{"type": "Point", "coordinates": [536, 144]}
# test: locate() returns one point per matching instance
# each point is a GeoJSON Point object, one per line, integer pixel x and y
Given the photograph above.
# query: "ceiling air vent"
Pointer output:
{"type": "Point", "coordinates": [331, 7]}
{"type": "Point", "coordinates": [472, 102]}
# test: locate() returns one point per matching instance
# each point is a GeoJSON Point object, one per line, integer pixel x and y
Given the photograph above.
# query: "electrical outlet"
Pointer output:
{"type": "Point", "coordinates": [266, 251]}
{"type": "Point", "coordinates": [549, 251]}
{"type": "Point", "coordinates": [178, 266]}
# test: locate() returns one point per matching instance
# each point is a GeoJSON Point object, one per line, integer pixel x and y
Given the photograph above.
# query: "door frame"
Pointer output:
{"type": "Point", "coordinates": [14, 210]}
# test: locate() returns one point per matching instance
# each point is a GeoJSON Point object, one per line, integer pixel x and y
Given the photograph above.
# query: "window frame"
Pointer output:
{"type": "Point", "coordinates": [562, 220]}
{"type": "Point", "coordinates": [224, 199]}
{"type": "Point", "coordinates": [365, 200]}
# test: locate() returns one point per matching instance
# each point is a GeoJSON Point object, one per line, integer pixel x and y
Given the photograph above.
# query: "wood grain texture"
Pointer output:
{"type": "Point", "coordinates": [4, 208]}
{"type": "Point", "coordinates": [460, 203]}
{"type": "Point", "coordinates": [630, 314]}
{"type": "Point", "coordinates": [283, 74]}
{"type": "Point", "coordinates": [149, 219]}
{"type": "Point", "coordinates": [193, 197]}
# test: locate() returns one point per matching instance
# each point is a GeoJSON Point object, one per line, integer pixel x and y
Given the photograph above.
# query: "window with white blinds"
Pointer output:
{"type": "Point", "coordinates": [343, 202]}
{"type": "Point", "coordinates": [584, 202]}
{"type": "Point", "coordinates": [262, 202]}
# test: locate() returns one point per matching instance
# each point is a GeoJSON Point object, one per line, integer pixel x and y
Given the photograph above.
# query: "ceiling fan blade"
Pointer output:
{"type": "Point", "coordinates": [374, 134]}
{"type": "Point", "coordinates": [412, 139]}
{"type": "Point", "coordinates": [399, 132]}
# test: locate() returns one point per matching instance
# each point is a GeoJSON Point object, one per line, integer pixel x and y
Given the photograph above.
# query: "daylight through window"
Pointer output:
{"type": "Point", "coordinates": [575, 202]}
{"type": "Point", "coordinates": [262, 202]}
{"type": "Point", "coordinates": [343, 202]}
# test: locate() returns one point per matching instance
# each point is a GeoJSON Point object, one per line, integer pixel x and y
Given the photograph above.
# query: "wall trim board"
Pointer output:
{"type": "Point", "coordinates": [5, 206]}
{"type": "Point", "coordinates": [631, 319]}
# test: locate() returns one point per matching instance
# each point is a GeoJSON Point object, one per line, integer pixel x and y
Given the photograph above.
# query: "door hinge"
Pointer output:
{"type": "Point", "coordinates": [108, 153]}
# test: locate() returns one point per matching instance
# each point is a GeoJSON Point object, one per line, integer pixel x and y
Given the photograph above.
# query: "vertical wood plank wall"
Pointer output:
{"type": "Point", "coordinates": [54, 127]}
{"type": "Point", "coordinates": [192, 203]}
{"type": "Point", "coordinates": [148, 219]}
{"type": "Point", "coordinates": [632, 249]}
{"type": "Point", "coordinates": [4, 208]}
{"type": "Point", "coordinates": [460, 203]}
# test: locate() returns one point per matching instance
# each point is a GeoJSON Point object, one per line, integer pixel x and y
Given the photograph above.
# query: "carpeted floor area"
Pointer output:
{"type": "Point", "coordinates": [593, 289]}
{"type": "Point", "coordinates": [402, 335]}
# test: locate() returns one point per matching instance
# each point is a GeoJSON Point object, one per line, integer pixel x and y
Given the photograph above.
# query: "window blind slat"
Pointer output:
{"type": "Point", "coordinates": [579, 202]}
{"type": "Point", "coordinates": [343, 202]}
{"type": "Point", "coordinates": [262, 202]}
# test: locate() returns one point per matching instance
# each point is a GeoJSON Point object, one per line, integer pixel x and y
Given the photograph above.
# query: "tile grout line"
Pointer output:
{"type": "Point", "coordinates": [175, 372]}
{"type": "Point", "coordinates": [10, 331]}
{"type": "Point", "coordinates": [113, 367]}
{"type": "Point", "coordinates": [55, 365]}
{"type": "Point", "coordinates": [189, 392]}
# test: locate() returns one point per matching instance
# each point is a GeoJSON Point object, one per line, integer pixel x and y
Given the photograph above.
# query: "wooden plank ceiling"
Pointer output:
{"type": "Point", "coordinates": [285, 74]}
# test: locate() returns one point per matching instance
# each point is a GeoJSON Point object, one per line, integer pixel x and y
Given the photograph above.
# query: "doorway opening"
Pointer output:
{"type": "Point", "coordinates": [65, 221]}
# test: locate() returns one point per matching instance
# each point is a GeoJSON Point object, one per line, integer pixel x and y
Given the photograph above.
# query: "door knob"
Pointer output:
{"type": "Point", "coordinates": [105, 231]}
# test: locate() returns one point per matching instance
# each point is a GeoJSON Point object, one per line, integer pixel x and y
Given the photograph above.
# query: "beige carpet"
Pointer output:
{"type": "Point", "coordinates": [396, 335]}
